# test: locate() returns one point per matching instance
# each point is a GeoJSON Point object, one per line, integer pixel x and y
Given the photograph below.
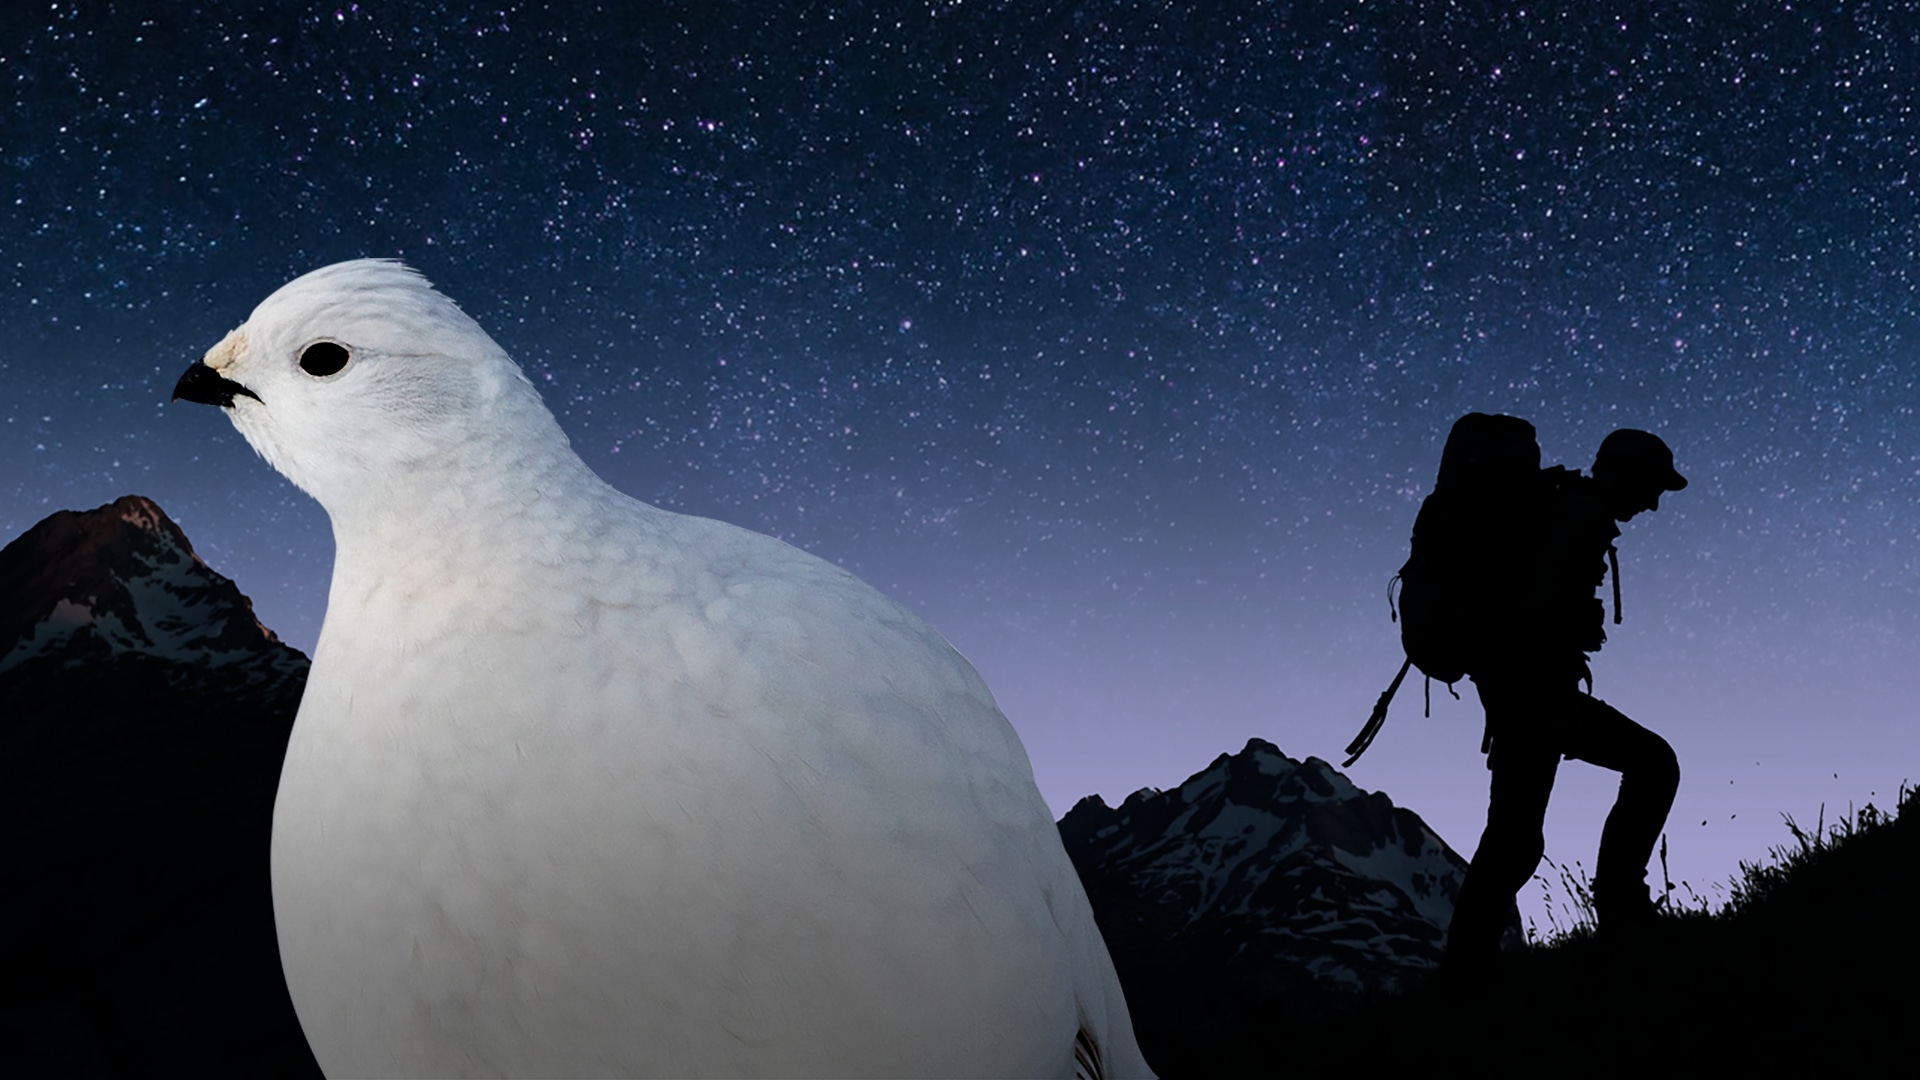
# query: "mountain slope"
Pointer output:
{"type": "Point", "coordinates": [123, 580]}
{"type": "Point", "coordinates": [1808, 972]}
{"type": "Point", "coordinates": [1261, 882]}
{"type": "Point", "coordinates": [146, 713]}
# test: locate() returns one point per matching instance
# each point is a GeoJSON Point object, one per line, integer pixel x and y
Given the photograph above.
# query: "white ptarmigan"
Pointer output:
{"type": "Point", "coordinates": [582, 787]}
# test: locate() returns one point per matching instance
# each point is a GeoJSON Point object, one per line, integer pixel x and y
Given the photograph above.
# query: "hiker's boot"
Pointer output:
{"type": "Point", "coordinates": [1624, 911]}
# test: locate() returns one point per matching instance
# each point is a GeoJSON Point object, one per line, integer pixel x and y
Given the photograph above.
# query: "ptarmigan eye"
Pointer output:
{"type": "Point", "coordinates": [323, 358]}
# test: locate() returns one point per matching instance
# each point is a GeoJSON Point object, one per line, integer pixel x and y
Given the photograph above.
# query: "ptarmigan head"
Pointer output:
{"type": "Point", "coordinates": [363, 385]}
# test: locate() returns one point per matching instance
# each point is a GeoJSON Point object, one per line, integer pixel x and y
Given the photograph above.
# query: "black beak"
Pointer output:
{"type": "Point", "coordinates": [208, 387]}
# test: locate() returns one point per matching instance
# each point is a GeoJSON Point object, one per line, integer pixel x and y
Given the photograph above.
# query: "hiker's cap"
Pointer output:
{"type": "Point", "coordinates": [1632, 452]}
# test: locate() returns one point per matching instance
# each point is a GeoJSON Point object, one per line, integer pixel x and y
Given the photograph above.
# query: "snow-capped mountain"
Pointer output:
{"type": "Point", "coordinates": [144, 713]}
{"type": "Point", "coordinates": [123, 580]}
{"type": "Point", "coordinates": [1260, 883]}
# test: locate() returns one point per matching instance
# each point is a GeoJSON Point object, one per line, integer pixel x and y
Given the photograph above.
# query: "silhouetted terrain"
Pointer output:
{"type": "Point", "coordinates": [1261, 882]}
{"type": "Point", "coordinates": [1810, 970]}
{"type": "Point", "coordinates": [146, 712]}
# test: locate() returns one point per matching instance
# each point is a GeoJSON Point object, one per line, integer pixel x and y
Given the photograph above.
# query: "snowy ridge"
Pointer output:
{"type": "Point", "coordinates": [144, 715]}
{"type": "Point", "coordinates": [1265, 878]}
{"type": "Point", "coordinates": [122, 580]}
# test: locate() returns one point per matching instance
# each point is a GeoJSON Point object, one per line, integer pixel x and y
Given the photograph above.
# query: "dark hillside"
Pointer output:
{"type": "Point", "coordinates": [1809, 970]}
{"type": "Point", "coordinates": [144, 713]}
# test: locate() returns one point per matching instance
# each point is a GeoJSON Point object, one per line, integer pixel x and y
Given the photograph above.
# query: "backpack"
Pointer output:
{"type": "Point", "coordinates": [1462, 583]}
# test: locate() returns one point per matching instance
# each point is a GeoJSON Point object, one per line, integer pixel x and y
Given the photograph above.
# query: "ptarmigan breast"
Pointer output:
{"type": "Point", "coordinates": [584, 787]}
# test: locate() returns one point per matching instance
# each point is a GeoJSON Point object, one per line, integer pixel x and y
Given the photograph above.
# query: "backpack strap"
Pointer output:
{"type": "Point", "coordinates": [1613, 563]}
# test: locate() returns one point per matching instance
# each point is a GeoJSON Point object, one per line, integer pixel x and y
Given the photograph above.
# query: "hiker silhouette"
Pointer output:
{"type": "Point", "coordinates": [1540, 625]}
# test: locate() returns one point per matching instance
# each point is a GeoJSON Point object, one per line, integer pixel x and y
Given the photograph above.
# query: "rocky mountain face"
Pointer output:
{"type": "Point", "coordinates": [144, 712]}
{"type": "Point", "coordinates": [1261, 882]}
{"type": "Point", "coordinates": [123, 581]}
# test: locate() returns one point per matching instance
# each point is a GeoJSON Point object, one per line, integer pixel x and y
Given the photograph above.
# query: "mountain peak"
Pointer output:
{"type": "Point", "coordinates": [145, 722]}
{"type": "Point", "coordinates": [122, 579]}
{"type": "Point", "coordinates": [1260, 878]}
{"type": "Point", "coordinates": [144, 514]}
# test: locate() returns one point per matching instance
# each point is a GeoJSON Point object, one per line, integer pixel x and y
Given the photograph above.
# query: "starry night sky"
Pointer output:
{"type": "Point", "coordinates": [1117, 339]}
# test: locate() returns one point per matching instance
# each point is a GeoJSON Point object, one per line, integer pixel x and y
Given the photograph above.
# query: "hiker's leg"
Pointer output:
{"type": "Point", "coordinates": [1649, 776]}
{"type": "Point", "coordinates": [1510, 848]}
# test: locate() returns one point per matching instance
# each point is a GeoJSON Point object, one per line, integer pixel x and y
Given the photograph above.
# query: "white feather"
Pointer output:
{"type": "Point", "coordinates": [583, 787]}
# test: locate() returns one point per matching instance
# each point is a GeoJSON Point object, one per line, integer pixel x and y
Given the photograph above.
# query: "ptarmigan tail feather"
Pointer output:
{"type": "Point", "coordinates": [1087, 1064]}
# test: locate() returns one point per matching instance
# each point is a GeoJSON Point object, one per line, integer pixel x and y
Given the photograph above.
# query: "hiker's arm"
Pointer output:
{"type": "Point", "coordinates": [1559, 608]}
{"type": "Point", "coordinates": [1553, 564]}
